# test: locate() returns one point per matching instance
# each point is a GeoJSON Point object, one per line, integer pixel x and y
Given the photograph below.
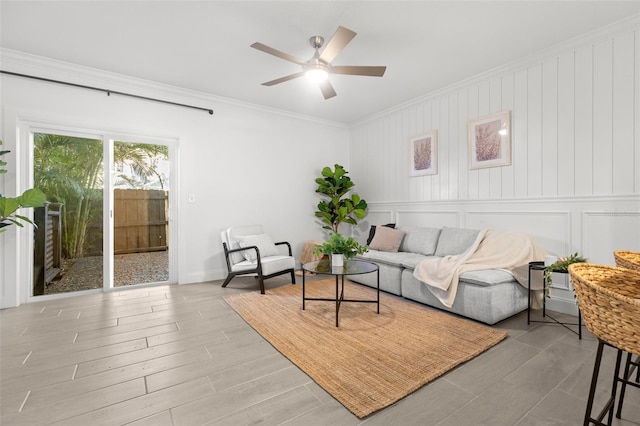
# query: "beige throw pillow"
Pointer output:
{"type": "Point", "coordinates": [386, 239]}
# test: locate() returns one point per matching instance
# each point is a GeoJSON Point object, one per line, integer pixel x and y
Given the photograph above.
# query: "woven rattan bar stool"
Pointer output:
{"type": "Point", "coordinates": [609, 299]}
{"type": "Point", "coordinates": [629, 260]}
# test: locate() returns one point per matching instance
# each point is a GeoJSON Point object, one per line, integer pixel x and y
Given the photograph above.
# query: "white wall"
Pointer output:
{"type": "Point", "coordinates": [574, 180]}
{"type": "Point", "coordinates": [243, 165]}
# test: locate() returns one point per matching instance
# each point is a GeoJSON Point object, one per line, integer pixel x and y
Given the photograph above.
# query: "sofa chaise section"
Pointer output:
{"type": "Point", "coordinates": [486, 301]}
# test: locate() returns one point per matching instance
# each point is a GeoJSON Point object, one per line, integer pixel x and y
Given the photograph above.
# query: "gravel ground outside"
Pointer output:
{"type": "Point", "coordinates": [86, 273]}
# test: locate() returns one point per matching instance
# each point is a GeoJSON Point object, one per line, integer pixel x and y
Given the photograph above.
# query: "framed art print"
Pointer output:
{"type": "Point", "coordinates": [490, 141]}
{"type": "Point", "coordinates": [424, 153]}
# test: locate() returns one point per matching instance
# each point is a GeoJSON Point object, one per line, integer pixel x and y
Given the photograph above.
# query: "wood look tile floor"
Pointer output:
{"type": "Point", "coordinates": [179, 355]}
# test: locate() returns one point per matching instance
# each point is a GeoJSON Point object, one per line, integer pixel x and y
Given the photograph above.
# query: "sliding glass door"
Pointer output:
{"type": "Point", "coordinates": [100, 230]}
{"type": "Point", "coordinates": [140, 213]}
{"type": "Point", "coordinates": [68, 242]}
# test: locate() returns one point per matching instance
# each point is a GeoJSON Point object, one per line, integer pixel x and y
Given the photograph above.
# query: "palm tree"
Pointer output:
{"type": "Point", "coordinates": [69, 170]}
{"type": "Point", "coordinates": [142, 159]}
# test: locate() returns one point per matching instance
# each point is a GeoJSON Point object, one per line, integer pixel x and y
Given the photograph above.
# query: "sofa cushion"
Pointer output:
{"type": "Point", "coordinates": [420, 239]}
{"type": "Point", "coordinates": [387, 239]}
{"type": "Point", "coordinates": [411, 260]}
{"type": "Point", "coordinates": [262, 241]}
{"type": "Point", "coordinates": [454, 241]}
{"type": "Point", "coordinates": [372, 231]}
{"type": "Point", "coordinates": [396, 259]}
{"type": "Point", "coordinates": [487, 277]}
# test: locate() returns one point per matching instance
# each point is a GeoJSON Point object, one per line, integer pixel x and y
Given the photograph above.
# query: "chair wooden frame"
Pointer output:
{"type": "Point", "coordinates": [257, 271]}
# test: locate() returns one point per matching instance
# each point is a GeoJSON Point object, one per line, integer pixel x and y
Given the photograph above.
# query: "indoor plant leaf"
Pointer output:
{"type": "Point", "coordinates": [23, 218]}
{"type": "Point", "coordinates": [32, 198]}
{"type": "Point", "coordinates": [8, 206]}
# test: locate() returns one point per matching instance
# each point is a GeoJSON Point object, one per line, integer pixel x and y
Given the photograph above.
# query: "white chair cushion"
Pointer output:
{"type": "Point", "coordinates": [230, 237]}
{"type": "Point", "coordinates": [262, 241]}
{"type": "Point", "coordinates": [270, 264]}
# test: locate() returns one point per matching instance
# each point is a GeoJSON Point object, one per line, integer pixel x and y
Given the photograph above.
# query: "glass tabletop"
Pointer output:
{"type": "Point", "coordinates": [351, 267]}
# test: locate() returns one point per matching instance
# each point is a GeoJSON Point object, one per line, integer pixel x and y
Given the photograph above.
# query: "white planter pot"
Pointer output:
{"type": "Point", "coordinates": [337, 260]}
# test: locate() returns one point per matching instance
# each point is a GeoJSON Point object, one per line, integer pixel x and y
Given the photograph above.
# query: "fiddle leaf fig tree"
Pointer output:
{"type": "Point", "coordinates": [8, 206]}
{"type": "Point", "coordinates": [339, 206]}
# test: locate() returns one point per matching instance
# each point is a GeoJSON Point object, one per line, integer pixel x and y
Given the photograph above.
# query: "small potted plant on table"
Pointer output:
{"type": "Point", "coordinates": [560, 265]}
{"type": "Point", "coordinates": [340, 248]}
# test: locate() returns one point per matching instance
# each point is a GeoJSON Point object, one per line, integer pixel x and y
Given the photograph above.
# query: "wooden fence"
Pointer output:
{"type": "Point", "coordinates": [140, 220]}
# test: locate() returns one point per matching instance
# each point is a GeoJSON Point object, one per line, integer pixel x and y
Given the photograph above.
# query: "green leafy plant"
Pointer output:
{"type": "Point", "coordinates": [9, 206]}
{"type": "Point", "coordinates": [339, 207]}
{"type": "Point", "coordinates": [560, 265]}
{"type": "Point", "coordinates": [338, 244]}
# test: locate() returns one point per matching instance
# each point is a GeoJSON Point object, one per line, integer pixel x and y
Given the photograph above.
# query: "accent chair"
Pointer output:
{"type": "Point", "coordinates": [248, 251]}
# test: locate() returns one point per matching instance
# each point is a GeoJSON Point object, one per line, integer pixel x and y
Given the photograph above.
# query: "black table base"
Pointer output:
{"type": "Point", "coordinates": [351, 267]}
{"type": "Point", "coordinates": [540, 266]}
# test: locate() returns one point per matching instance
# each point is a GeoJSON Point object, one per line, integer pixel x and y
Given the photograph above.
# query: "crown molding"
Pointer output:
{"type": "Point", "coordinates": [39, 66]}
{"type": "Point", "coordinates": [628, 24]}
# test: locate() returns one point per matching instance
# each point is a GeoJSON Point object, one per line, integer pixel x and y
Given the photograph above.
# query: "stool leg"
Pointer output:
{"type": "Point", "coordinates": [594, 382]}
{"type": "Point", "coordinates": [614, 386]}
{"type": "Point", "coordinates": [627, 379]}
{"type": "Point", "coordinates": [626, 375]}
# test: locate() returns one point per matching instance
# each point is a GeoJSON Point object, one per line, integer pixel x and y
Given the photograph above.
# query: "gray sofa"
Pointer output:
{"type": "Point", "coordinates": [488, 296]}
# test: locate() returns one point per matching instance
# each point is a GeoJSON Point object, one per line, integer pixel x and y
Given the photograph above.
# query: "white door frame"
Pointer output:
{"type": "Point", "coordinates": [24, 174]}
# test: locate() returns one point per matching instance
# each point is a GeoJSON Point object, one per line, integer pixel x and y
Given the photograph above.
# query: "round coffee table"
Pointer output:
{"type": "Point", "coordinates": [350, 267]}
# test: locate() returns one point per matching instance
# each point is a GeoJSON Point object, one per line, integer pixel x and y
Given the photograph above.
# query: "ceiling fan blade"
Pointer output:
{"type": "Point", "coordinates": [283, 79]}
{"type": "Point", "coordinates": [339, 41]}
{"type": "Point", "coordinates": [271, 51]}
{"type": "Point", "coordinates": [327, 89]}
{"type": "Point", "coordinates": [358, 70]}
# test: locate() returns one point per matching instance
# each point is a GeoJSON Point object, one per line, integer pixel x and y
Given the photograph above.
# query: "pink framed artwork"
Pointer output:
{"type": "Point", "coordinates": [424, 154]}
{"type": "Point", "coordinates": [490, 141]}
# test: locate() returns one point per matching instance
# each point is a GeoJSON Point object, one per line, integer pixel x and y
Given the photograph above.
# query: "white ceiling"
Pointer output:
{"type": "Point", "coordinates": [204, 45]}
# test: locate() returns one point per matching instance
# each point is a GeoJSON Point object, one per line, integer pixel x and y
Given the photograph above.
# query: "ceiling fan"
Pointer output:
{"type": "Point", "coordinates": [319, 66]}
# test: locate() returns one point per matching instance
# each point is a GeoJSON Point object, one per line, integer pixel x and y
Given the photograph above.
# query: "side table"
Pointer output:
{"type": "Point", "coordinates": [540, 266]}
{"type": "Point", "coordinates": [350, 267]}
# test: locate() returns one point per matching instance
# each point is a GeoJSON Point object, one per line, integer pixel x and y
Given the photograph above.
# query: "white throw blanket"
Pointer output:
{"type": "Point", "coordinates": [493, 249]}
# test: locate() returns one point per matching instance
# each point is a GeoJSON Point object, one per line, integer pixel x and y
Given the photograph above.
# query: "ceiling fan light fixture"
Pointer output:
{"type": "Point", "coordinates": [318, 68]}
{"type": "Point", "coordinates": [316, 73]}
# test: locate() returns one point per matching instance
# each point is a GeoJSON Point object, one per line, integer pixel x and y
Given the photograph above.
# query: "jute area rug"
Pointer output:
{"type": "Point", "coordinates": [371, 360]}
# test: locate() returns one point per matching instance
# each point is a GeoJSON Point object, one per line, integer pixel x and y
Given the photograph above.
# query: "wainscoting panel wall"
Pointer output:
{"type": "Point", "coordinates": [553, 229]}
{"type": "Point", "coordinates": [428, 218]}
{"type": "Point", "coordinates": [606, 231]}
{"type": "Point", "coordinates": [574, 118]}
{"type": "Point", "coordinates": [381, 216]}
